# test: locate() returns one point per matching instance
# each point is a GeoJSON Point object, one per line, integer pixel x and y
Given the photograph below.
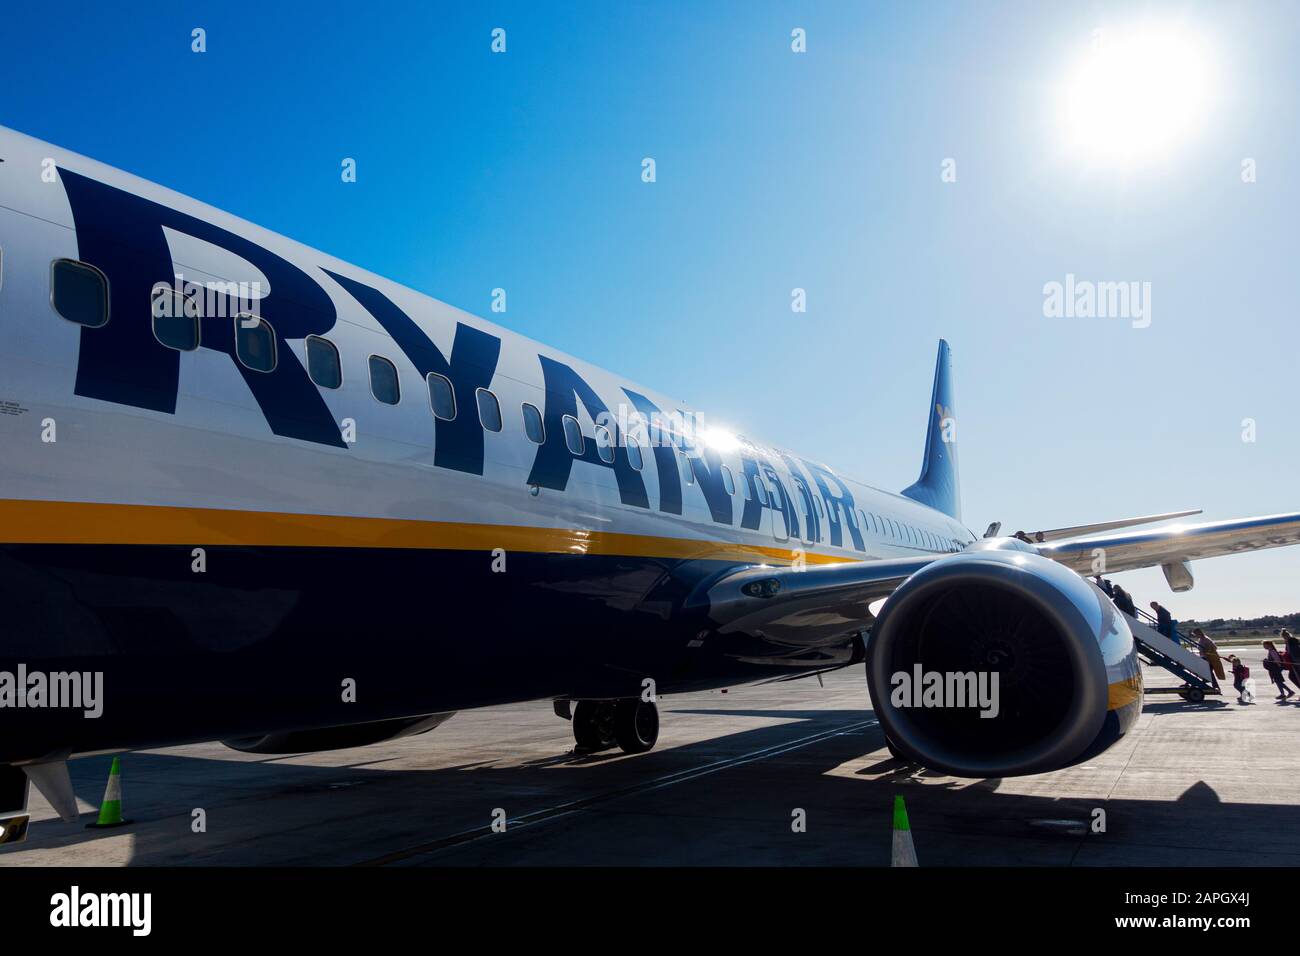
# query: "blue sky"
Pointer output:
{"type": "Point", "coordinates": [775, 170]}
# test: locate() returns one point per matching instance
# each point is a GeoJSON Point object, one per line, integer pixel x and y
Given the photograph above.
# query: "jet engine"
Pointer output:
{"type": "Point", "coordinates": [998, 662]}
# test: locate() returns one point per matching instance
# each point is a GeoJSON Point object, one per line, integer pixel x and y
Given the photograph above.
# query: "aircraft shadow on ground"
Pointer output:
{"type": "Point", "coordinates": [277, 812]}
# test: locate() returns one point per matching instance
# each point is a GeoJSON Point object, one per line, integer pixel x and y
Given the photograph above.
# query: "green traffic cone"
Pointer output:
{"type": "Point", "coordinates": [904, 849]}
{"type": "Point", "coordinates": [110, 811]}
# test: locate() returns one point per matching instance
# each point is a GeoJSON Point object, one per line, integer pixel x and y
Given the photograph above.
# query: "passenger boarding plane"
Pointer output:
{"type": "Point", "coordinates": [254, 494]}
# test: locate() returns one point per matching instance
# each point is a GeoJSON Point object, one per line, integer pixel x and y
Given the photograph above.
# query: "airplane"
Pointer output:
{"type": "Point", "coordinates": [252, 493]}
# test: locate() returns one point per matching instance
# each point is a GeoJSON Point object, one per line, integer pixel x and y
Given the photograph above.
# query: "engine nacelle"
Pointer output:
{"type": "Point", "coordinates": [998, 662]}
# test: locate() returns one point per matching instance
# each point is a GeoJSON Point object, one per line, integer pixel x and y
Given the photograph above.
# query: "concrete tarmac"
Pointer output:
{"type": "Point", "coordinates": [1195, 784]}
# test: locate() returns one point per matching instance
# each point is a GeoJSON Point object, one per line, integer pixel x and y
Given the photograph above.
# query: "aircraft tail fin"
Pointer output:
{"type": "Point", "coordinates": [938, 486]}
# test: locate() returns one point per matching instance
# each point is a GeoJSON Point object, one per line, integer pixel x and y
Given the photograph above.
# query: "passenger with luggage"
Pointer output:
{"type": "Point", "coordinates": [1274, 665]}
{"type": "Point", "coordinates": [1210, 654]}
{"type": "Point", "coordinates": [1164, 620]}
{"type": "Point", "coordinates": [1292, 655]}
{"type": "Point", "coordinates": [1245, 687]}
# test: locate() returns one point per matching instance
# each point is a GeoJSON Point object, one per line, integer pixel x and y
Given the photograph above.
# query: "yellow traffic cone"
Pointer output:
{"type": "Point", "coordinates": [110, 811]}
{"type": "Point", "coordinates": [904, 849]}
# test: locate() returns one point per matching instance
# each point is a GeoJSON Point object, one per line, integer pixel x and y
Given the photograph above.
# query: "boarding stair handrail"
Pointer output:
{"type": "Point", "coordinates": [1177, 655]}
{"type": "Point", "coordinates": [1152, 622]}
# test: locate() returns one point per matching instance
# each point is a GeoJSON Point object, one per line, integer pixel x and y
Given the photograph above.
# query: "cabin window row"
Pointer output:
{"type": "Point", "coordinates": [79, 293]}
{"type": "Point", "coordinates": [901, 531]}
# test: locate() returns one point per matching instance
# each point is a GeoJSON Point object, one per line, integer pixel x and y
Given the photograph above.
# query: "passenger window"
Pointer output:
{"type": "Point", "coordinates": [728, 482]}
{"type": "Point", "coordinates": [573, 434]}
{"type": "Point", "coordinates": [634, 454]}
{"type": "Point", "coordinates": [323, 363]}
{"type": "Point", "coordinates": [604, 445]}
{"type": "Point", "coordinates": [760, 490]}
{"type": "Point", "coordinates": [79, 293]}
{"type": "Point", "coordinates": [533, 425]}
{"type": "Point", "coordinates": [442, 397]}
{"type": "Point", "coordinates": [175, 321]}
{"type": "Point", "coordinates": [255, 343]}
{"type": "Point", "coordinates": [817, 503]}
{"type": "Point", "coordinates": [684, 466]}
{"type": "Point", "coordinates": [489, 410]}
{"type": "Point", "coordinates": [383, 380]}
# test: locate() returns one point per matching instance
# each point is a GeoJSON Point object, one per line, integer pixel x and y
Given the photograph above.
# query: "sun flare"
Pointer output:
{"type": "Point", "coordinates": [1137, 95]}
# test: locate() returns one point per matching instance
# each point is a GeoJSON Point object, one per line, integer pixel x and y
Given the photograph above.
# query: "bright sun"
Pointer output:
{"type": "Point", "coordinates": [1137, 95]}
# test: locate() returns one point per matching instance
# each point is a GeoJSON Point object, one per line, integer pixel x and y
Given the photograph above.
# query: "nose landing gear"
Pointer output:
{"type": "Point", "coordinates": [631, 723]}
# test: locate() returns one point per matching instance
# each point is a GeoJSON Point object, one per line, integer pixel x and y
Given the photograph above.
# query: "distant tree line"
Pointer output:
{"type": "Point", "coordinates": [1268, 622]}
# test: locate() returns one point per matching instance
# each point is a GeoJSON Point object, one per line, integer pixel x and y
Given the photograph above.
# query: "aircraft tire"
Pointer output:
{"type": "Point", "coordinates": [594, 723]}
{"type": "Point", "coordinates": [636, 725]}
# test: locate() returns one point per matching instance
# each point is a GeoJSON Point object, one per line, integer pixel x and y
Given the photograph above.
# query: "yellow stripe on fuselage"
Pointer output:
{"type": "Point", "coordinates": [71, 522]}
{"type": "Point", "coordinates": [1122, 693]}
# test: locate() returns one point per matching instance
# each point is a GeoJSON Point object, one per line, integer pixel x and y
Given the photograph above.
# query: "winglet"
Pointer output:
{"type": "Point", "coordinates": [938, 486]}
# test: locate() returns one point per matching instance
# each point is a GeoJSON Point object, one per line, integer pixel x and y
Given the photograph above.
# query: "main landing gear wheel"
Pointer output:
{"type": "Point", "coordinates": [636, 725]}
{"type": "Point", "coordinates": [593, 725]}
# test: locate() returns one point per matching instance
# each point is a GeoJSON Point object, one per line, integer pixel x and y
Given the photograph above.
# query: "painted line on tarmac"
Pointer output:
{"type": "Point", "coordinates": [578, 806]}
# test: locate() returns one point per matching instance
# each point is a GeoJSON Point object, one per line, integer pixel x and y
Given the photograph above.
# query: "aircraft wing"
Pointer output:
{"type": "Point", "coordinates": [1078, 531]}
{"type": "Point", "coordinates": [825, 602]}
{"type": "Point", "coordinates": [1176, 543]}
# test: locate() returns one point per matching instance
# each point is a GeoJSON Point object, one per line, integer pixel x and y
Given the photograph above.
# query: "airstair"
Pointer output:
{"type": "Point", "coordinates": [1179, 655]}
